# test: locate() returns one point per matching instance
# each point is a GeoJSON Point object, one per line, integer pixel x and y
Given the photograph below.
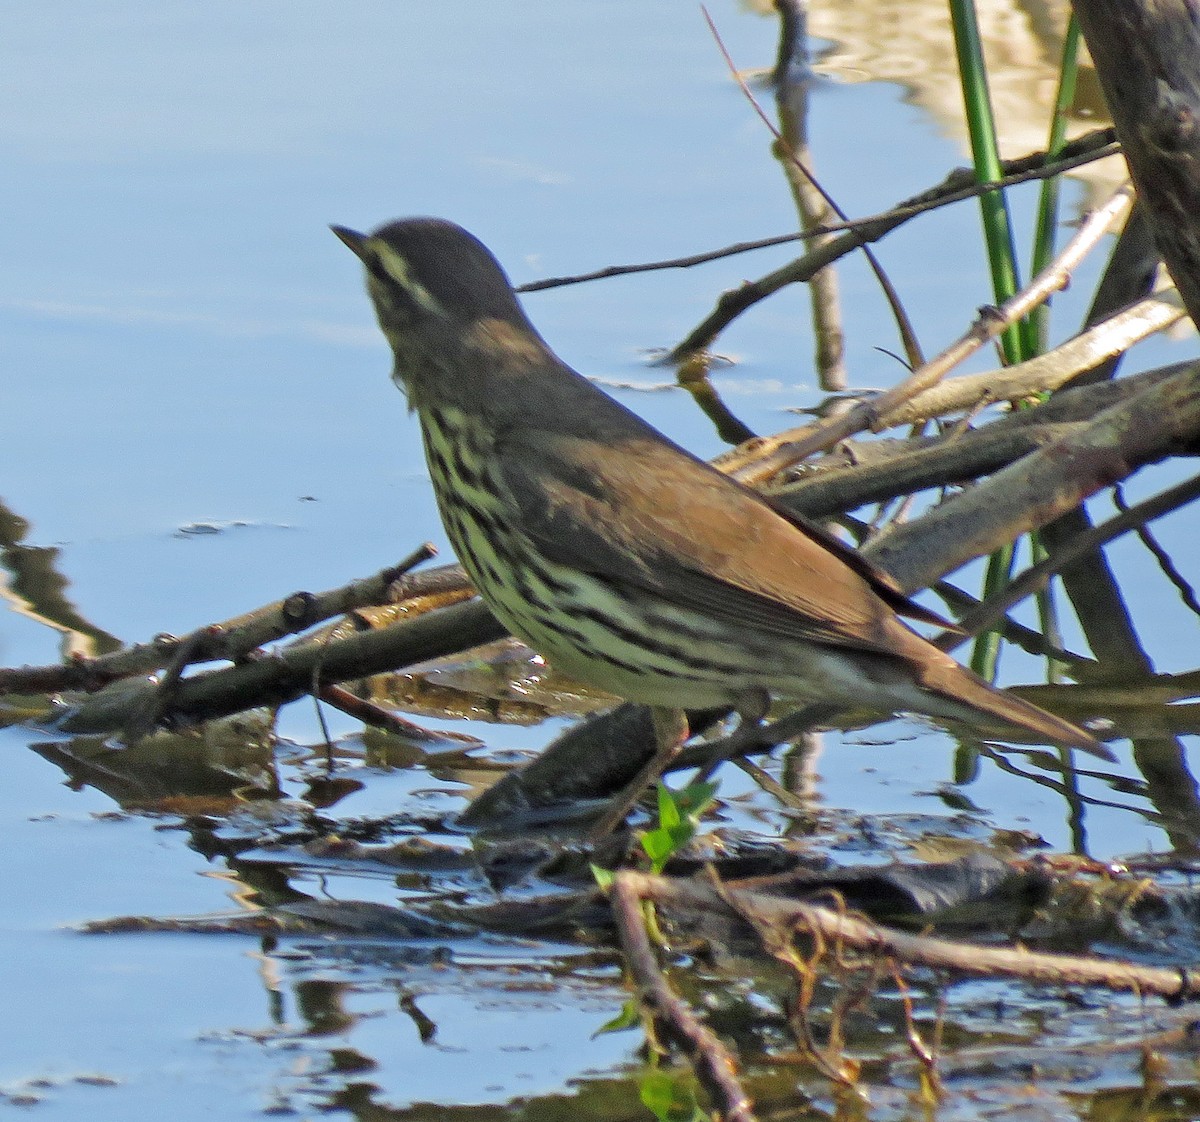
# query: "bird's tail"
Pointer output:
{"type": "Point", "coordinates": [953, 691]}
{"type": "Point", "coordinates": [961, 689]}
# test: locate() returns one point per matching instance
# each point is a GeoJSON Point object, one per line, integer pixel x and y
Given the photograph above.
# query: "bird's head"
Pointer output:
{"type": "Point", "coordinates": [426, 271]}
{"type": "Point", "coordinates": [433, 285]}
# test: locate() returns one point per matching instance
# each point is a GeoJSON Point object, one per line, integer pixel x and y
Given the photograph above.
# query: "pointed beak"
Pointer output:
{"type": "Point", "coordinates": [355, 241]}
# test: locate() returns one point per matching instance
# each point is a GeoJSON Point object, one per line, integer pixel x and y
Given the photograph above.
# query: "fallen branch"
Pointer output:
{"type": "Point", "coordinates": [971, 959]}
{"type": "Point", "coordinates": [235, 638]}
{"type": "Point", "coordinates": [1046, 373]}
{"type": "Point", "coordinates": [1157, 422]}
{"type": "Point", "coordinates": [286, 675]}
{"type": "Point", "coordinates": [867, 471]}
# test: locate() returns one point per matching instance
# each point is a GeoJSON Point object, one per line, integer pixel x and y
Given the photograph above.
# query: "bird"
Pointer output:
{"type": "Point", "coordinates": [628, 563]}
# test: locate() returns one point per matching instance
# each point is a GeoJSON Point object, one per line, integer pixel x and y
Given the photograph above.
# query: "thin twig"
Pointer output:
{"type": "Point", "coordinates": [670, 732]}
{"type": "Point", "coordinates": [712, 1061]}
{"type": "Point", "coordinates": [1067, 788]}
{"type": "Point", "coordinates": [1165, 563]}
{"type": "Point", "coordinates": [145, 716]}
{"type": "Point", "coordinates": [958, 186]}
{"type": "Point", "coordinates": [378, 717]}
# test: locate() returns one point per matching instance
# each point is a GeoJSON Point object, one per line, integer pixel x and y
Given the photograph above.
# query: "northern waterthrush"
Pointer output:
{"type": "Point", "coordinates": [627, 562]}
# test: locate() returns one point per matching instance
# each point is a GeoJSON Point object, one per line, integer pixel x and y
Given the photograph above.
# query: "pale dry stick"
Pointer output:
{"type": "Point", "coordinates": [1174, 984]}
{"type": "Point", "coordinates": [303, 610]}
{"type": "Point", "coordinates": [1047, 372]}
{"type": "Point", "coordinates": [990, 324]}
{"type": "Point", "coordinates": [713, 1064]}
{"type": "Point", "coordinates": [753, 462]}
{"type": "Point", "coordinates": [234, 637]}
{"type": "Point", "coordinates": [872, 471]}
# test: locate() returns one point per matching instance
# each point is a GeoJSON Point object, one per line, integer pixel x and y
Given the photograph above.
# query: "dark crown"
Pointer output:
{"type": "Point", "coordinates": [438, 266]}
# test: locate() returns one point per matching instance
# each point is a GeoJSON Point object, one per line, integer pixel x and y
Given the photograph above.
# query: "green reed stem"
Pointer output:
{"type": "Point", "coordinates": [1048, 202]}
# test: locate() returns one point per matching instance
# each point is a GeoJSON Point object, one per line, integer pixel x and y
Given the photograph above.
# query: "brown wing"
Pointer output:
{"type": "Point", "coordinates": [656, 518]}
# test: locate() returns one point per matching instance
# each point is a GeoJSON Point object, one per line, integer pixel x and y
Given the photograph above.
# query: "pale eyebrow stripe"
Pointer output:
{"type": "Point", "coordinates": [395, 265]}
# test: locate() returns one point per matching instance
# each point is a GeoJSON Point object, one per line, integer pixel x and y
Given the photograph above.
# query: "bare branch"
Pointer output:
{"type": "Point", "coordinates": [713, 1063]}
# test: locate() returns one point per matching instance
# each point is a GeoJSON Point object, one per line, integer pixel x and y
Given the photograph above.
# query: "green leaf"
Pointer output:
{"type": "Point", "coordinates": [678, 816]}
{"type": "Point", "coordinates": [604, 877]}
{"type": "Point", "coordinates": [668, 807]}
{"type": "Point", "coordinates": [671, 1097]}
{"type": "Point", "coordinates": [630, 1017]}
{"type": "Point", "coordinates": [659, 845]}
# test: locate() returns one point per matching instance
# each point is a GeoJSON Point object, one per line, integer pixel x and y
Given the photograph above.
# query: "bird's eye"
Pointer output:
{"type": "Point", "coordinates": [391, 273]}
{"type": "Point", "coordinates": [377, 271]}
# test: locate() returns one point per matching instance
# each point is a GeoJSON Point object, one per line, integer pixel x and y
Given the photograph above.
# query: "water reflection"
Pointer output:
{"type": "Point", "coordinates": [363, 1010]}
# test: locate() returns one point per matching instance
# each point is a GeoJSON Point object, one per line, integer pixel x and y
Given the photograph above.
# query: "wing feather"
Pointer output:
{"type": "Point", "coordinates": [648, 519]}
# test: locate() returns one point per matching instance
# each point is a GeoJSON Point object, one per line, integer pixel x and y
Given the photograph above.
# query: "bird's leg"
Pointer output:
{"type": "Point", "coordinates": [753, 735]}
{"type": "Point", "coordinates": [670, 732]}
{"type": "Point", "coordinates": [751, 707]}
